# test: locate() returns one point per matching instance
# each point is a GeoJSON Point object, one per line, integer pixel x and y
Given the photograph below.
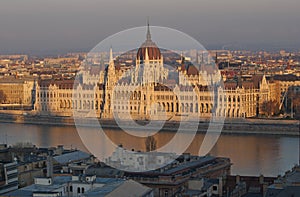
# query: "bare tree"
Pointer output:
{"type": "Point", "coordinates": [295, 103]}
{"type": "Point", "coordinates": [150, 143]}
{"type": "Point", "coordinates": [270, 108]}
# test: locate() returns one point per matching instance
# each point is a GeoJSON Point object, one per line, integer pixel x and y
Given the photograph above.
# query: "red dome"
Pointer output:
{"type": "Point", "coordinates": [153, 50]}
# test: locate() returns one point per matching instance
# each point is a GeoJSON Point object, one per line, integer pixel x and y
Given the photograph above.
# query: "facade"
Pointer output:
{"type": "Point", "coordinates": [8, 177]}
{"type": "Point", "coordinates": [287, 81]}
{"type": "Point", "coordinates": [138, 161]}
{"type": "Point", "coordinates": [16, 93]}
{"type": "Point", "coordinates": [149, 90]}
{"type": "Point", "coordinates": [200, 187]}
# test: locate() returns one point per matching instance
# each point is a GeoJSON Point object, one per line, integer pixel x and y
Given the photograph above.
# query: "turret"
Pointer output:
{"type": "Point", "coordinates": [111, 60]}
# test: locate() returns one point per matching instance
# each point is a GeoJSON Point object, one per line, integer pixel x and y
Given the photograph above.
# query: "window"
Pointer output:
{"type": "Point", "coordinates": [78, 190]}
{"type": "Point", "coordinates": [166, 193]}
{"type": "Point", "coordinates": [215, 188]}
{"type": "Point", "coordinates": [71, 188]}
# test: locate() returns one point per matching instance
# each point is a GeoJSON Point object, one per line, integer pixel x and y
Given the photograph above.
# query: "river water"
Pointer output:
{"type": "Point", "coordinates": [250, 154]}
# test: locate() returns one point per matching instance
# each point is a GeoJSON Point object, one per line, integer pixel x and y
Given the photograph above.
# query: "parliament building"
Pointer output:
{"type": "Point", "coordinates": [147, 89]}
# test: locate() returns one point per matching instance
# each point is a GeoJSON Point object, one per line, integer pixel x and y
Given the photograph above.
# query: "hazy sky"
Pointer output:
{"type": "Point", "coordinates": [40, 26]}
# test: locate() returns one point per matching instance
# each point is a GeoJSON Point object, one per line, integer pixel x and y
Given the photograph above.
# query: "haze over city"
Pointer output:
{"type": "Point", "coordinates": [53, 27]}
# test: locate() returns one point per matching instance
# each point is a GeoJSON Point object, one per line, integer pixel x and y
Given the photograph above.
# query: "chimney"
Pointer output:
{"type": "Point", "coordinates": [237, 179]}
{"type": "Point", "coordinates": [261, 179]}
{"type": "Point", "coordinates": [60, 149]}
{"type": "Point", "coordinates": [220, 186]}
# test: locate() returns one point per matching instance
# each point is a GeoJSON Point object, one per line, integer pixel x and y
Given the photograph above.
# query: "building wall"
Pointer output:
{"type": "Point", "coordinates": [138, 101]}
{"type": "Point", "coordinates": [17, 93]}
{"type": "Point", "coordinates": [28, 171]}
{"type": "Point", "coordinates": [142, 96]}
{"type": "Point", "coordinates": [10, 173]}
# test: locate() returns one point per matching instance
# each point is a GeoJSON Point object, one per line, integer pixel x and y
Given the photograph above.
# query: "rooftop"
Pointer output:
{"type": "Point", "coordinates": [110, 184]}
{"type": "Point", "coordinates": [71, 157]}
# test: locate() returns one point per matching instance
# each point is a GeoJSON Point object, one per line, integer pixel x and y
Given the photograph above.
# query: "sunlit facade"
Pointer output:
{"type": "Point", "coordinates": [146, 91]}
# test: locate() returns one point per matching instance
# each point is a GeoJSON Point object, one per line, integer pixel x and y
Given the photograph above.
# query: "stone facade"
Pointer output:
{"type": "Point", "coordinates": [145, 91]}
{"type": "Point", "coordinates": [16, 93]}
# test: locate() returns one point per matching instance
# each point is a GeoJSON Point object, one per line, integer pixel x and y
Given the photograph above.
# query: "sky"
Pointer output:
{"type": "Point", "coordinates": [60, 26]}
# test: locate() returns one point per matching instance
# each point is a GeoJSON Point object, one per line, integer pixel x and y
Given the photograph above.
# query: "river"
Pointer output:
{"type": "Point", "coordinates": [250, 154]}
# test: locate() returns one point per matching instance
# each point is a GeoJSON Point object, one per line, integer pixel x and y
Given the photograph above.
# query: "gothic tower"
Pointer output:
{"type": "Point", "coordinates": [149, 62]}
{"type": "Point", "coordinates": [110, 82]}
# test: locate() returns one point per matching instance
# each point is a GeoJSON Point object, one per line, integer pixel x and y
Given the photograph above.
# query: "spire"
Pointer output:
{"type": "Point", "coordinates": [182, 62]}
{"type": "Point", "coordinates": [111, 58]}
{"type": "Point", "coordinates": [181, 58]}
{"type": "Point", "coordinates": [148, 30]}
{"type": "Point", "coordinates": [111, 64]}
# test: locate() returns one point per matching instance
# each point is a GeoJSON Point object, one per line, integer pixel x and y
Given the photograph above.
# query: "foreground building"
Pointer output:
{"type": "Point", "coordinates": [287, 185]}
{"type": "Point", "coordinates": [84, 186]}
{"type": "Point", "coordinates": [60, 172]}
{"type": "Point", "coordinates": [8, 177]}
{"type": "Point", "coordinates": [173, 178]}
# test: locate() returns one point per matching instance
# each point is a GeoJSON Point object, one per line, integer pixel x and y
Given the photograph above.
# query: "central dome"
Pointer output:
{"type": "Point", "coordinates": [152, 49]}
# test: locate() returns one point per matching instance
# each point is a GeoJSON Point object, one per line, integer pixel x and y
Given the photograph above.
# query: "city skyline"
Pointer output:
{"type": "Point", "coordinates": [59, 27]}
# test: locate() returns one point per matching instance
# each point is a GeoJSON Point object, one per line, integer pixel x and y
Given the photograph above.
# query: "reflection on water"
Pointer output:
{"type": "Point", "coordinates": [250, 154]}
{"type": "Point", "coordinates": [40, 135]}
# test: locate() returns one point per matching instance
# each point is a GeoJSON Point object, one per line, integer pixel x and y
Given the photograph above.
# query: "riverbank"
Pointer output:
{"type": "Point", "coordinates": [230, 126]}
